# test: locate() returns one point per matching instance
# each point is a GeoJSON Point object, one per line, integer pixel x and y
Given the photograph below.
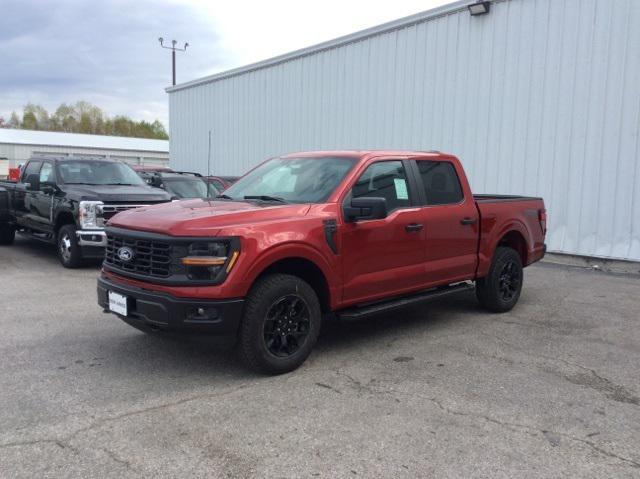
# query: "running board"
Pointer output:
{"type": "Point", "coordinates": [359, 312]}
{"type": "Point", "coordinates": [43, 237]}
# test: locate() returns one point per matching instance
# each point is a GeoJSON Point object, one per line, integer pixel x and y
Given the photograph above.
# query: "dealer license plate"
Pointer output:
{"type": "Point", "coordinates": [117, 303]}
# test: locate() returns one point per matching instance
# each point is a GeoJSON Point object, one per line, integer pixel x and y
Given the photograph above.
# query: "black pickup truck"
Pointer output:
{"type": "Point", "coordinates": [67, 201]}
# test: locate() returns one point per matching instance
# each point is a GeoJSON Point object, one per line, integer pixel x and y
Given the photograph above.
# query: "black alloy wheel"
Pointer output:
{"type": "Point", "coordinates": [287, 325]}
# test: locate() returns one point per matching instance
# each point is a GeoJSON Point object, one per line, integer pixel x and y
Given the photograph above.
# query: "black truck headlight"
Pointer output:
{"type": "Point", "coordinates": [209, 260]}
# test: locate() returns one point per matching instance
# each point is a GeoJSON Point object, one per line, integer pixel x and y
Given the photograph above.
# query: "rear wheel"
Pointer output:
{"type": "Point", "coordinates": [7, 234]}
{"type": "Point", "coordinates": [500, 290]}
{"type": "Point", "coordinates": [69, 252]}
{"type": "Point", "coordinates": [280, 325]}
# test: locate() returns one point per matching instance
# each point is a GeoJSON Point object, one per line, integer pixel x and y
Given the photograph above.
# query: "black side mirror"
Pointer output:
{"type": "Point", "coordinates": [48, 188]}
{"type": "Point", "coordinates": [366, 208]}
{"type": "Point", "coordinates": [33, 182]}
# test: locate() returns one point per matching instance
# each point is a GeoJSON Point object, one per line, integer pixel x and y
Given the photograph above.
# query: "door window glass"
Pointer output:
{"type": "Point", "coordinates": [47, 174]}
{"type": "Point", "coordinates": [384, 179]}
{"type": "Point", "coordinates": [440, 181]}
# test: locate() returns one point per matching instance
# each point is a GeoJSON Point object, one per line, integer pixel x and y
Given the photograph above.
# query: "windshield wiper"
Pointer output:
{"type": "Point", "coordinates": [81, 183]}
{"type": "Point", "coordinates": [224, 197]}
{"type": "Point", "coordinates": [265, 198]}
{"type": "Point", "coordinates": [120, 184]}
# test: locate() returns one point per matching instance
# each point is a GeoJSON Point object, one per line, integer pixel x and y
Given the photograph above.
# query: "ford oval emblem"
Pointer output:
{"type": "Point", "coordinates": [125, 254]}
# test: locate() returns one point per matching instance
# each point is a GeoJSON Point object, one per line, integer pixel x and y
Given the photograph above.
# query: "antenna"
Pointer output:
{"type": "Point", "coordinates": [209, 156]}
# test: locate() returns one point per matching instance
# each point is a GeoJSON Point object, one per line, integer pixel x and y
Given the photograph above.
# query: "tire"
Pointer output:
{"type": "Point", "coordinates": [7, 234]}
{"type": "Point", "coordinates": [69, 252]}
{"type": "Point", "coordinates": [280, 324]}
{"type": "Point", "coordinates": [500, 290]}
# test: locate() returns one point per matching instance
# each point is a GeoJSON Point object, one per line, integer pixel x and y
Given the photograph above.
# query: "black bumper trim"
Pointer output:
{"type": "Point", "coordinates": [151, 310]}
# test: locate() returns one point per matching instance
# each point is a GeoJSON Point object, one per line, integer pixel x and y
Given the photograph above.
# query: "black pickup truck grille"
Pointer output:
{"type": "Point", "coordinates": [148, 257]}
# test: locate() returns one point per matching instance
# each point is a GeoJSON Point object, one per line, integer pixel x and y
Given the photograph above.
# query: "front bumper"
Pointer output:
{"type": "Point", "coordinates": [154, 311]}
{"type": "Point", "coordinates": [96, 238]}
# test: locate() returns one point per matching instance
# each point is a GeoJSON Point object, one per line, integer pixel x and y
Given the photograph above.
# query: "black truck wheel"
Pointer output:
{"type": "Point", "coordinates": [69, 252]}
{"type": "Point", "coordinates": [280, 324]}
{"type": "Point", "coordinates": [7, 234]}
{"type": "Point", "coordinates": [500, 290]}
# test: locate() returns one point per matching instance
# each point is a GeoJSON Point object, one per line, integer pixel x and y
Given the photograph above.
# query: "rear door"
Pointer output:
{"type": "Point", "coordinates": [382, 257]}
{"type": "Point", "coordinates": [451, 222]}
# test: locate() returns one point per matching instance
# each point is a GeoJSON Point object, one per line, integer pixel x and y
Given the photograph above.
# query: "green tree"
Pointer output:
{"type": "Point", "coordinates": [84, 117]}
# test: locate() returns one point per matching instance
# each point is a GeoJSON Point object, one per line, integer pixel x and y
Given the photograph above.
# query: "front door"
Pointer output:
{"type": "Point", "coordinates": [42, 200]}
{"type": "Point", "coordinates": [383, 257]}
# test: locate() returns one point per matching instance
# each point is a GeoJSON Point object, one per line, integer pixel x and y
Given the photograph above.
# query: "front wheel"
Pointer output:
{"type": "Point", "coordinates": [69, 252]}
{"type": "Point", "coordinates": [7, 234]}
{"type": "Point", "coordinates": [500, 290]}
{"type": "Point", "coordinates": [280, 324]}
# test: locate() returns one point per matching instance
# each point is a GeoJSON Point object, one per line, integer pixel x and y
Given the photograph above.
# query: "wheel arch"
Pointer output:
{"type": "Point", "coordinates": [301, 261]}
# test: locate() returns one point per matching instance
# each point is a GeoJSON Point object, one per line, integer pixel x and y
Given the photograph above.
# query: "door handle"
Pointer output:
{"type": "Point", "coordinates": [413, 227]}
{"type": "Point", "coordinates": [468, 221]}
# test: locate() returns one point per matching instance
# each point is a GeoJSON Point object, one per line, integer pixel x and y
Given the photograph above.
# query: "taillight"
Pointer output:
{"type": "Point", "coordinates": [542, 217]}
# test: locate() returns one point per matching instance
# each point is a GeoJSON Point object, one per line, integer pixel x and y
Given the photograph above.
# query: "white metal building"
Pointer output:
{"type": "Point", "coordinates": [537, 97]}
{"type": "Point", "coordinates": [17, 146]}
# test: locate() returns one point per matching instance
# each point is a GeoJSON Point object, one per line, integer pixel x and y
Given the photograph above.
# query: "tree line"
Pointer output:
{"type": "Point", "coordinates": [82, 117]}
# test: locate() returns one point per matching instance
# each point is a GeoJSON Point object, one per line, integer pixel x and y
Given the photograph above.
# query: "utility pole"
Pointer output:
{"type": "Point", "coordinates": [173, 49]}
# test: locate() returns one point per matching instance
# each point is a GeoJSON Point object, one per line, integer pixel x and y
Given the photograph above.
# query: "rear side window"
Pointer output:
{"type": "Point", "coordinates": [384, 179]}
{"type": "Point", "coordinates": [441, 183]}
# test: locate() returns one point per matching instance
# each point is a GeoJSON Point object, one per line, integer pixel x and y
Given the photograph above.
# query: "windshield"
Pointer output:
{"type": "Point", "coordinates": [80, 172]}
{"type": "Point", "coordinates": [295, 180]}
{"type": "Point", "coordinates": [189, 188]}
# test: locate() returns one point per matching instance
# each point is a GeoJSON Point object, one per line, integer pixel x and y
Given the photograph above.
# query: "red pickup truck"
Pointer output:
{"type": "Point", "coordinates": [345, 232]}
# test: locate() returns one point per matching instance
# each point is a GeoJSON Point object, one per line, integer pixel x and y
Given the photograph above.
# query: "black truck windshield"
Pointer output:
{"type": "Point", "coordinates": [189, 187]}
{"type": "Point", "coordinates": [292, 180]}
{"type": "Point", "coordinates": [82, 172]}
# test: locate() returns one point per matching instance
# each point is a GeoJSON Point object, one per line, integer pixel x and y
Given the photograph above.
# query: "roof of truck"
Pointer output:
{"type": "Point", "coordinates": [361, 153]}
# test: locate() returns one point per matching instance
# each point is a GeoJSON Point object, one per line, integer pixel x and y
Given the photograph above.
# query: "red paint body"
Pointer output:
{"type": "Point", "coordinates": [377, 258]}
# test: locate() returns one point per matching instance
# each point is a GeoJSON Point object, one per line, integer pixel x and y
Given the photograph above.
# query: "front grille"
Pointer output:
{"type": "Point", "coordinates": [106, 212]}
{"type": "Point", "coordinates": [150, 257]}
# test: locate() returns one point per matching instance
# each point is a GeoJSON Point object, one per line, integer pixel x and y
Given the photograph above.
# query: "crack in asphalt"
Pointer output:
{"type": "Point", "coordinates": [533, 431]}
{"type": "Point", "coordinates": [597, 382]}
{"type": "Point", "coordinates": [65, 442]}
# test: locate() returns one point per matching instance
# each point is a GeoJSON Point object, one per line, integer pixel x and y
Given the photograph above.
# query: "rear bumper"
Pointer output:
{"type": "Point", "coordinates": [154, 311]}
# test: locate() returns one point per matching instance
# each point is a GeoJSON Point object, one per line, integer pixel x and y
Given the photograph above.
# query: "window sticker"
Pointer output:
{"type": "Point", "coordinates": [401, 188]}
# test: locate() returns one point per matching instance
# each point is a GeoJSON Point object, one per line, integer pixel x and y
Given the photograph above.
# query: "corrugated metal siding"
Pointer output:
{"type": "Point", "coordinates": [540, 97]}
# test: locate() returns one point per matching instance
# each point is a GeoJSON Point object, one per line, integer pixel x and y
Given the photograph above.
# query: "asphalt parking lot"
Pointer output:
{"type": "Point", "coordinates": [551, 389]}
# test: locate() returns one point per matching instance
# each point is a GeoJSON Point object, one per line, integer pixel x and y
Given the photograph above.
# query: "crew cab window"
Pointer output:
{"type": "Point", "coordinates": [32, 168]}
{"type": "Point", "coordinates": [47, 174]}
{"type": "Point", "coordinates": [440, 181]}
{"type": "Point", "coordinates": [384, 179]}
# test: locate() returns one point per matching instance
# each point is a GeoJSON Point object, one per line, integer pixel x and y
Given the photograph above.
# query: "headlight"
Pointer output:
{"type": "Point", "coordinates": [88, 214]}
{"type": "Point", "coordinates": [209, 260]}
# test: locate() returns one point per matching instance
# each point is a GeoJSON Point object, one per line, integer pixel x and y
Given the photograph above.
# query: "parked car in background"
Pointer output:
{"type": "Point", "coordinates": [180, 184]}
{"type": "Point", "coordinates": [67, 202]}
{"type": "Point", "coordinates": [348, 233]}
{"type": "Point", "coordinates": [222, 182]}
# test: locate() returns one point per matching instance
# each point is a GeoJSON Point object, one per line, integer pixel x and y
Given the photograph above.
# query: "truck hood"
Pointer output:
{"type": "Point", "coordinates": [202, 217]}
{"type": "Point", "coordinates": [116, 193]}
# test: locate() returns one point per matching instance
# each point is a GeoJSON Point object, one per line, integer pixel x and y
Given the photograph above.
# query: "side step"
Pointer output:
{"type": "Point", "coordinates": [43, 237]}
{"type": "Point", "coordinates": [359, 312]}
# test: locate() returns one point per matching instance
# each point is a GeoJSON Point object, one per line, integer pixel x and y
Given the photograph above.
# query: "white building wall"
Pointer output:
{"type": "Point", "coordinates": [539, 97]}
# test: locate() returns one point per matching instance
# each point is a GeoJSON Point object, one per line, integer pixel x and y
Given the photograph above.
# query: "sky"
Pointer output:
{"type": "Point", "coordinates": [107, 51]}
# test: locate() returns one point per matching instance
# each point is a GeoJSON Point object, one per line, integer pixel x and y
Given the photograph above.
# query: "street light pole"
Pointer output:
{"type": "Point", "coordinates": [173, 49]}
